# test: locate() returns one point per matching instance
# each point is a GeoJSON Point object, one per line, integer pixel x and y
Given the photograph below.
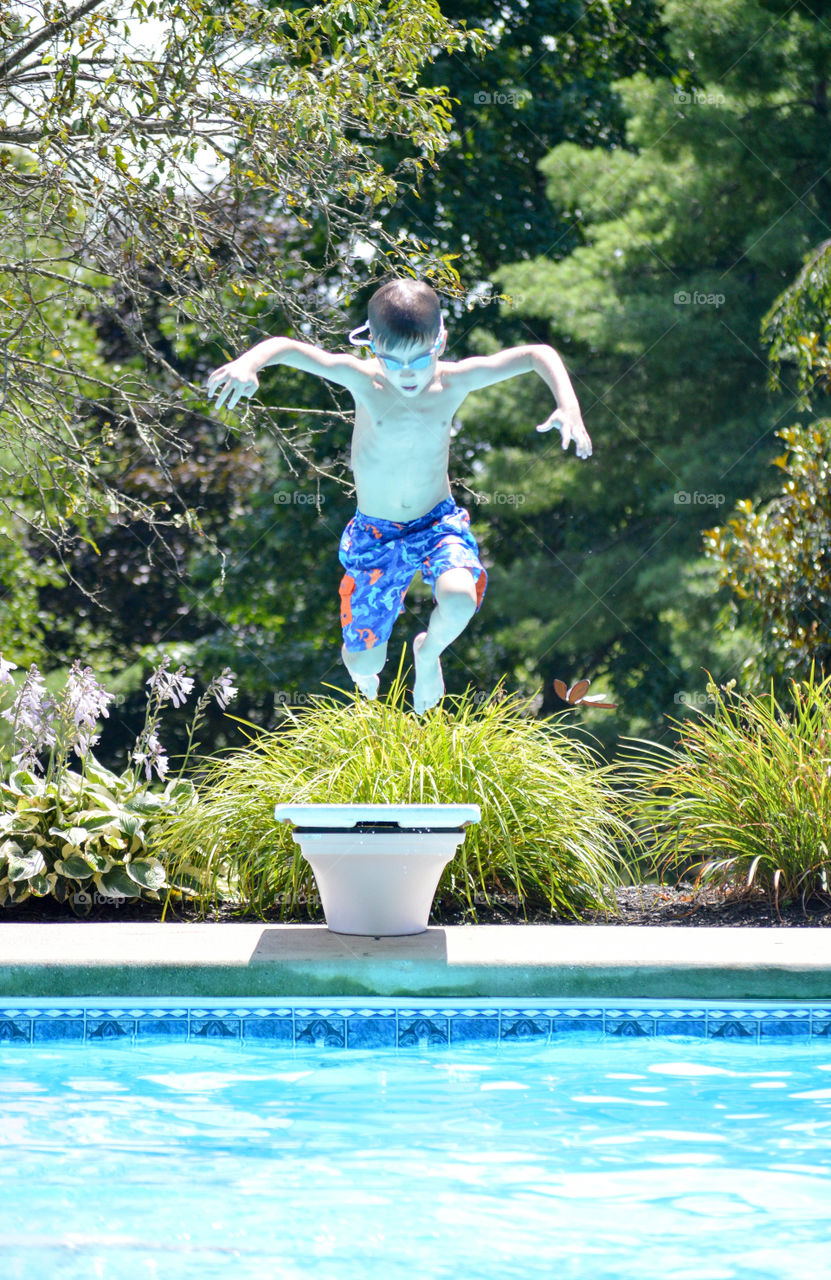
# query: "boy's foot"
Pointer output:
{"type": "Point", "coordinates": [367, 685]}
{"type": "Point", "coordinates": [429, 683]}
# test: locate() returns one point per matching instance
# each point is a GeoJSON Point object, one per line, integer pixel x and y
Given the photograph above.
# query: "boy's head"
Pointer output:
{"type": "Point", "coordinates": [405, 322]}
{"type": "Point", "coordinates": [404, 312]}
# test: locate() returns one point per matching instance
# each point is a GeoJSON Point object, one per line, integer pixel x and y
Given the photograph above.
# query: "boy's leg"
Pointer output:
{"type": "Point", "coordinates": [364, 666]}
{"type": "Point", "coordinates": [455, 606]}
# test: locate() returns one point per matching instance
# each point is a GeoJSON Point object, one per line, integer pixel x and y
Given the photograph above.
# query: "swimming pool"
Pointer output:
{"type": "Point", "coordinates": [605, 1150]}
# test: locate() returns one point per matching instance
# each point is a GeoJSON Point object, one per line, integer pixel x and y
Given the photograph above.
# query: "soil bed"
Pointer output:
{"type": "Point", "coordinates": [679, 906]}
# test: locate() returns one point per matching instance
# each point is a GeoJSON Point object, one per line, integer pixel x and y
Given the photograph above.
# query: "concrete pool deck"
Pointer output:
{"type": "Point", "coordinates": [460, 962]}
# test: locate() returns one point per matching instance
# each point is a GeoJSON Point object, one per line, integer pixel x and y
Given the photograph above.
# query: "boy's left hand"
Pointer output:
{"type": "Point", "coordinates": [570, 426]}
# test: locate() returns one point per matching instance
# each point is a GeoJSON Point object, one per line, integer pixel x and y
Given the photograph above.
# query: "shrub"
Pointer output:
{"type": "Point", "coordinates": [73, 834]}
{"type": "Point", "coordinates": [549, 822]}
{"type": "Point", "coordinates": [744, 798]}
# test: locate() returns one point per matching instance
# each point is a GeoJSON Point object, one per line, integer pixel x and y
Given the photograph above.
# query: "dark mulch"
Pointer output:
{"type": "Point", "coordinates": [649, 904]}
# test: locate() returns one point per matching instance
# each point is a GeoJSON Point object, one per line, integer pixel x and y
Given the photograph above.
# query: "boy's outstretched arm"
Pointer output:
{"type": "Point", "coordinates": [484, 371]}
{"type": "Point", "coordinates": [238, 377]}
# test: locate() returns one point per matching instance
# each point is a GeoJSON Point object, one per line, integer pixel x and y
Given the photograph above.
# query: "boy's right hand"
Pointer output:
{"type": "Point", "coordinates": [232, 381]}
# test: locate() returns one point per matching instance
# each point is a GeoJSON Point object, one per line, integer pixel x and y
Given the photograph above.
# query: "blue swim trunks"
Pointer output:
{"type": "Point", "coordinates": [381, 558]}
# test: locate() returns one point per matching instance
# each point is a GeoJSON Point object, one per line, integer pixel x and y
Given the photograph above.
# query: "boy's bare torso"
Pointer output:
{"type": "Point", "coordinates": [400, 447]}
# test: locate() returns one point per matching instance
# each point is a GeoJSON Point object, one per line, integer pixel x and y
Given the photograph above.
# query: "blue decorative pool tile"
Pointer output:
{"type": "Point", "coordinates": [327, 1030]}
{"type": "Point", "coordinates": [409, 1025]}
{"type": "Point", "coordinates": [15, 1030]}
{"type": "Point", "coordinates": [370, 1030]}
{"type": "Point", "coordinates": [174, 1028]}
{"type": "Point", "coordinates": [531, 1025]}
{"type": "Point", "coordinates": [57, 1028]}
{"type": "Point", "coordinates": [425, 1030]}
{"type": "Point", "coordinates": [261, 1025]}
{"type": "Point", "coordinates": [103, 1028]}
{"type": "Point", "coordinates": [782, 1024]}
{"type": "Point", "coordinates": [681, 1022]}
{"type": "Point", "coordinates": [576, 1026]}
{"type": "Point", "coordinates": [468, 1025]}
{"type": "Point", "coordinates": [215, 1028]}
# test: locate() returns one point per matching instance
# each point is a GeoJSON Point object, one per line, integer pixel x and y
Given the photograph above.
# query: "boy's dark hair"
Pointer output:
{"type": "Point", "coordinates": [404, 311]}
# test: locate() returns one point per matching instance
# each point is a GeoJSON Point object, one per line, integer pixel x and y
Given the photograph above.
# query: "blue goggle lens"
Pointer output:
{"type": "Point", "coordinates": [420, 362]}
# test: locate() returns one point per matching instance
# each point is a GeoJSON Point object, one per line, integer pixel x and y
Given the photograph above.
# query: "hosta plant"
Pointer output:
{"type": "Point", "coordinates": [89, 837]}
{"type": "Point", "coordinates": [82, 834]}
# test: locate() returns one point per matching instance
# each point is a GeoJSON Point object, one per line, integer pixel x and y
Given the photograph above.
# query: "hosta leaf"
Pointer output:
{"type": "Point", "coordinates": [95, 819]}
{"type": "Point", "coordinates": [24, 782]}
{"type": "Point", "coordinates": [180, 790]}
{"type": "Point", "coordinates": [148, 872]}
{"type": "Point", "coordinates": [42, 885]}
{"type": "Point", "coordinates": [129, 824]}
{"type": "Point", "coordinates": [73, 838]}
{"type": "Point", "coordinates": [115, 883]}
{"type": "Point", "coordinates": [97, 773]}
{"type": "Point", "coordinates": [74, 866]}
{"type": "Point", "coordinates": [26, 866]}
{"type": "Point", "coordinates": [98, 860]}
{"type": "Point", "coordinates": [145, 802]}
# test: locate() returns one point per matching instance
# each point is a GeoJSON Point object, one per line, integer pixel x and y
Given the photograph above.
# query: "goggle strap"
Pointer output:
{"type": "Point", "coordinates": [360, 342]}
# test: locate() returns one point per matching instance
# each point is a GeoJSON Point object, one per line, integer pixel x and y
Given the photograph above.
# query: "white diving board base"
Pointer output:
{"type": "Point", "coordinates": [378, 866]}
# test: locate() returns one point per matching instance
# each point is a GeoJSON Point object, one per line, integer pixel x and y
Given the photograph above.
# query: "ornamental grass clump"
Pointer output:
{"type": "Point", "coordinates": [547, 836]}
{"type": "Point", "coordinates": [744, 800]}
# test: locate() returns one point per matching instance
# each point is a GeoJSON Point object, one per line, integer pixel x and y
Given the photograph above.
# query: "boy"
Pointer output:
{"type": "Point", "coordinates": [406, 398]}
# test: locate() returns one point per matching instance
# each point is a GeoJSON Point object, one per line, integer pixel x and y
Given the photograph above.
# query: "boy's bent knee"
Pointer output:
{"type": "Point", "coordinates": [456, 592]}
{"type": "Point", "coordinates": [365, 661]}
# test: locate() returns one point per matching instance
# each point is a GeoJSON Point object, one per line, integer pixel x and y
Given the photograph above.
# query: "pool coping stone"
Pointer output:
{"type": "Point", "coordinates": [246, 960]}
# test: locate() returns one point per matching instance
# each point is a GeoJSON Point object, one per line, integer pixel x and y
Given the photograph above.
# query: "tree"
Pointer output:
{"type": "Point", "coordinates": [776, 558]}
{"type": "Point", "coordinates": [688, 234]}
{"type": "Point", "coordinates": [181, 180]}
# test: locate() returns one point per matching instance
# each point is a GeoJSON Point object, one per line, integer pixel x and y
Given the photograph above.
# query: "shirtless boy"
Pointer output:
{"type": "Point", "coordinates": [406, 398]}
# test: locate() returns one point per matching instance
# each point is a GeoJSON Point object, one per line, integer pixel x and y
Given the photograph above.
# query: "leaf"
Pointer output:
{"type": "Point", "coordinates": [27, 866]}
{"type": "Point", "coordinates": [148, 872]}
{"type": "Point", "coordinates": [145, 802]}
{"type": "Point", "coordinates": [116, 883]}
{"type": "Point", "coordinates": [577, 690]}
{"type": "Point", "coordinates": [75, 867]}
{"type": "Point", "coordinates": [180, 789]}
{"type": "Point", "coordinates": [597, 700]}
{"type": "Point", "coordinates": [561, 690]}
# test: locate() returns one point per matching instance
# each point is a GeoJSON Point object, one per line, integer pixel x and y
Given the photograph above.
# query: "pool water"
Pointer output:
{"type": "Point", "coordinates": [687, 1159]}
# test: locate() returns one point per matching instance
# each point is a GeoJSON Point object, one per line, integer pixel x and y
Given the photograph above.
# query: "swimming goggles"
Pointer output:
{"type": "Point", "coordinates": [420, 362]}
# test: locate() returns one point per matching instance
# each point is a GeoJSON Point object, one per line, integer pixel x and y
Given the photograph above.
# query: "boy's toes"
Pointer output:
{"type": "Point", "coordinates": [367, 685]}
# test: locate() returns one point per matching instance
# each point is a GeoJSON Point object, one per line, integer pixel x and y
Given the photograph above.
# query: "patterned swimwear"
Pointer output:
{"type": "Point", "coordinates": [381, 558]}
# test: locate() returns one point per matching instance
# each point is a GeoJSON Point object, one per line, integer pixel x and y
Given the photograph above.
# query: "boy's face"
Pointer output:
{"type": "Point", "coordinates": [410, 382]}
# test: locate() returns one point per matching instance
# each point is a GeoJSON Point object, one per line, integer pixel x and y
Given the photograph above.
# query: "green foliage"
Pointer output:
{"type": "Point", "coordinates": [160, 166]}
{"type": "Point", "coordinates": [80, 835]}
{"type": "Point", "coordinates": [798, 327]}
{"type": "Point", "coordinates": [745, 798]}
{"type": "Point", "coordinates": [776, 557]}
{"type": "Point", "coordinates": [549, 826]}
{"type": "Point", "coordinates": [685, 235]}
